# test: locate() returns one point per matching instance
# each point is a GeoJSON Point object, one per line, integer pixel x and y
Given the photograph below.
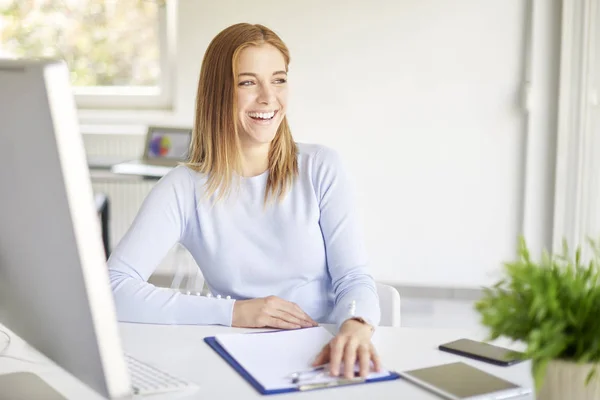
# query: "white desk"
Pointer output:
{"type": "Point", "coordinates": [181, 351]}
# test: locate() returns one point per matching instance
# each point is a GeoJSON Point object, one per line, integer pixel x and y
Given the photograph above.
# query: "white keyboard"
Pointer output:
{"type": "Point", "coordinates": [147, 380]}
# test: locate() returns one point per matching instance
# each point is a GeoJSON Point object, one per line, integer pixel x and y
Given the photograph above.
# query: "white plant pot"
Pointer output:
{"type": "Point", "coordinates": [565, 380]}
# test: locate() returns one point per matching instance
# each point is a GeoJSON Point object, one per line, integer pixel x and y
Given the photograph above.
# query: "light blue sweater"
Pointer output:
{"type": "Point", "coordinates": [307, 249]}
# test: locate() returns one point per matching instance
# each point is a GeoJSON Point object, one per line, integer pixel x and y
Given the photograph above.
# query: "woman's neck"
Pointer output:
{"type": "Point", "coordinates": [255, 159]}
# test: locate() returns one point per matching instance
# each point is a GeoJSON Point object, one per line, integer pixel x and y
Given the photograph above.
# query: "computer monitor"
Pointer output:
{"type": "Point", "coordinates": [54, 286]}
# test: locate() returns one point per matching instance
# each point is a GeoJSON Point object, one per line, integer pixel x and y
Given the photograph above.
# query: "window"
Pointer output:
{"type": "Point", "coordinates": [577, 211]}
{"type": "Point", "coordinates": [116, 50]}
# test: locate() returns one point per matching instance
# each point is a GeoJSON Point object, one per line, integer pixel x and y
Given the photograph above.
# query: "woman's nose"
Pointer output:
{"type": "Point", "coordinates": [266, 95]}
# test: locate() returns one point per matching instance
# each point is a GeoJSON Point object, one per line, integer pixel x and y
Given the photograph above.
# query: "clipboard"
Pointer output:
{"type": "Point", "coordinates": [216, 346]}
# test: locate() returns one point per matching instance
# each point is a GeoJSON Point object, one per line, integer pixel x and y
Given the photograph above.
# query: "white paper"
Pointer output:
{"type": "Point", "coordinates": [270, 357]}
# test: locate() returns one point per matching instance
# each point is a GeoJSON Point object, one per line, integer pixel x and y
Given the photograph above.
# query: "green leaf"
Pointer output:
{"type": "Point", "coordinates": [551, 304]}
{"type": "Point", "coordinates": [591, 375]}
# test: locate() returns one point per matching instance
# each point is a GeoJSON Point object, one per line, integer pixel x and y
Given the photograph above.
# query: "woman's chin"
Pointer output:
{"type": "Point", "coordinates": [258, 137]}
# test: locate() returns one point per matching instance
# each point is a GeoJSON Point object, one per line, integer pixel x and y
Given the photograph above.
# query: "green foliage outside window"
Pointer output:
{"type": "Point", "coordinates": [104, 42]}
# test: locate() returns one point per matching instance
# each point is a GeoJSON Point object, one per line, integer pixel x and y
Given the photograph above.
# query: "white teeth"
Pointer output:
{"type": "Point", "coordinates": [262, 115]}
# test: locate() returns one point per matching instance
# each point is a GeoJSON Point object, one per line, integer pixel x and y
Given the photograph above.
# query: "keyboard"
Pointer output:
{"type": "Point", "coordinates": [147, 380]}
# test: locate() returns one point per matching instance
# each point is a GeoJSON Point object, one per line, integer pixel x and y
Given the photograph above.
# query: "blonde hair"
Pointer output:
{"type": "Point", "coordinates": [215, 147]}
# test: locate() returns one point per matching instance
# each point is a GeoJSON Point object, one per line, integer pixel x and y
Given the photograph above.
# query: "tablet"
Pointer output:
{"type": "Point", "coordinates": [460, 381]}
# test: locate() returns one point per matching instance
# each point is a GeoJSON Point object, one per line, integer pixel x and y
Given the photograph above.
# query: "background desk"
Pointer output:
{"type": "Point", "coordinates": [181, 351]}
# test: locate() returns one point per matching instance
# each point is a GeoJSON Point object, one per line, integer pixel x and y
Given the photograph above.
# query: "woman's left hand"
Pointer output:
{"type": "Point", "coordinates": [351, 344]}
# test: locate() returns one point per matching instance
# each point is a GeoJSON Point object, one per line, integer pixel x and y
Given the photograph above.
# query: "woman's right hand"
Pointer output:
{"type": "Point", "coordinates": [270, 312]}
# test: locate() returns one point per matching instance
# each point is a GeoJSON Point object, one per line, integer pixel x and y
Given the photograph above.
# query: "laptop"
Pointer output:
{"type": "Point", "coordinates": [164, 148]}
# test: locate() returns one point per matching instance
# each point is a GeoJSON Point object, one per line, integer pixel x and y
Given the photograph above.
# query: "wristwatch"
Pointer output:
{"type": "Point", "coordinates": [352, 311]}
{"type": "Point", "coordinates": [364, 321]}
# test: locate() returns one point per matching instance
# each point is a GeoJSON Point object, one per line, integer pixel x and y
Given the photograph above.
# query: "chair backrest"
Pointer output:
{"type": "Point", "coordinates": [102, 207]}
{"type": "Point", "coordinates": [389, 303]}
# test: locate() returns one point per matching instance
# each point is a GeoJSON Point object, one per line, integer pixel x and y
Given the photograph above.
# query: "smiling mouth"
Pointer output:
{"type": "Point", "coordinates": [263, 116]}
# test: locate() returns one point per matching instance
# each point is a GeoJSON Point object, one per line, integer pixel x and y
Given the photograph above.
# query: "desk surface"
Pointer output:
{"type": "Point", "coordinates": [181, 351]}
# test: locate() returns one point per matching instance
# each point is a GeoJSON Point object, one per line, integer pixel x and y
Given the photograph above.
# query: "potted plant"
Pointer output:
{"type": "Point", "coordinates": [553, 307]}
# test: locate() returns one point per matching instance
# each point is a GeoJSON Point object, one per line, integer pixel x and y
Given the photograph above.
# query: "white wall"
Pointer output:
{"type": "Point", "coordinates": [423, 99]}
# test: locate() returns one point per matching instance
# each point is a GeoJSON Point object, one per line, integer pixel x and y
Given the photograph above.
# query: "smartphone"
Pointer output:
{"type": "Point", "coordinates": [482, 352]}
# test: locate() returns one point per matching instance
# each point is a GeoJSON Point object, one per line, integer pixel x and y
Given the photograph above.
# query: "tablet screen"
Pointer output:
{"type": "Point", "coordinates": [461, 380]}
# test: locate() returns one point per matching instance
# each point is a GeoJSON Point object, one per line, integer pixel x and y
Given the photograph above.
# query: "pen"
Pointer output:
{"type": "Point", "coordinates": [295, 377]}
{"type": "Point", "coordinates": [338, 382]}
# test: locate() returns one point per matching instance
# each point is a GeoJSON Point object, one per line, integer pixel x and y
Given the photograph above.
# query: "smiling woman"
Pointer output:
{"type": "Point", "coordinates": [284, 250]}
{"type": "Point", "coordinates": [262, 95]}
{"type": "Point", "coordinates": [252, 64]}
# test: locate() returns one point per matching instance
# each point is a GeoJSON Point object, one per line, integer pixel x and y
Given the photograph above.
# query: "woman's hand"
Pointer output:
{"type": "Point", "coordinates": [352, 343]}
{"type": "Point", "coordinates": [270, 312]}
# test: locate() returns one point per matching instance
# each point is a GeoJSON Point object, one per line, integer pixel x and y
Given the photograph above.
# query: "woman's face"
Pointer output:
{"type": "Point", "coordinates": [261, 93]}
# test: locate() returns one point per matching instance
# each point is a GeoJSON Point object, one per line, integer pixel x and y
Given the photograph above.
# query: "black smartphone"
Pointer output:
{"type": "Point", "coordinates": [481, 351]}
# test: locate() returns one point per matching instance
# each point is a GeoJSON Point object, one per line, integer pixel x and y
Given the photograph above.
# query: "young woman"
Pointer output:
{"type": "Point", "coordinates": [270, 222]}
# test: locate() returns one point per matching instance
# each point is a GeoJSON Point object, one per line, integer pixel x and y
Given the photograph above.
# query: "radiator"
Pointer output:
{"type": "Point", "coordinates": [125, 198]}
{"type": "Point", "coordinates": [126, 195]}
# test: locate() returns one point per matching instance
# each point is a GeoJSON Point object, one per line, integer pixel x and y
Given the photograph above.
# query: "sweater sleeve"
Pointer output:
{"type": "Point", "coordinates": [160, 223]}
{"type": "Point", "coordinates": [346, 253]}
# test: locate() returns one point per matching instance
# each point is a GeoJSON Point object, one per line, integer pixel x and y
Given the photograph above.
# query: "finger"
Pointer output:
{"type": "Point", "coordinates": [274, 305]}
{"type": "Point", "coordinates": [376, 359]}
{"type": "Point", "coordinates": [281, 324]}
{"type": "Point", "coordinates": [364, 359]}
{"type": "Point", "coordinates": [336, 353]}
{"type": "Point", "coordinates": [350, 358]}
{"type": "Point", "coordinates": [322, 357]}
{"type": "Point", "coordinates": [306, 316]}
{"type": "Point", "coordinates": [287, 317]}
{"type": "Point", "coordinates": [295, 310]}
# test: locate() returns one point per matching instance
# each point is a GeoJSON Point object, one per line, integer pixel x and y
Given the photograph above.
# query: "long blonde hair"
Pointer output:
{"type": "Point", "coordinates": [215, 148]}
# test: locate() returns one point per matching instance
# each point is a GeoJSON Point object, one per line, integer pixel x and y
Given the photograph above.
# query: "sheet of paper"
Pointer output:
{"type": "Point", "coordinates": [272, 356]}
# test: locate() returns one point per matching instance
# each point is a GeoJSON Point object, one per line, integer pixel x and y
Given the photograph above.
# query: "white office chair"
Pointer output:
{"type": "Point", "coordinates": [389, 303]}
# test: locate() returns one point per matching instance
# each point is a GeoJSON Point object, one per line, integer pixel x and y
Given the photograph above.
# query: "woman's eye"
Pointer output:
{"type": "Point", "coordinates": [282, 80]}
{"type": "Point", "coordinates": [246, 83]}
